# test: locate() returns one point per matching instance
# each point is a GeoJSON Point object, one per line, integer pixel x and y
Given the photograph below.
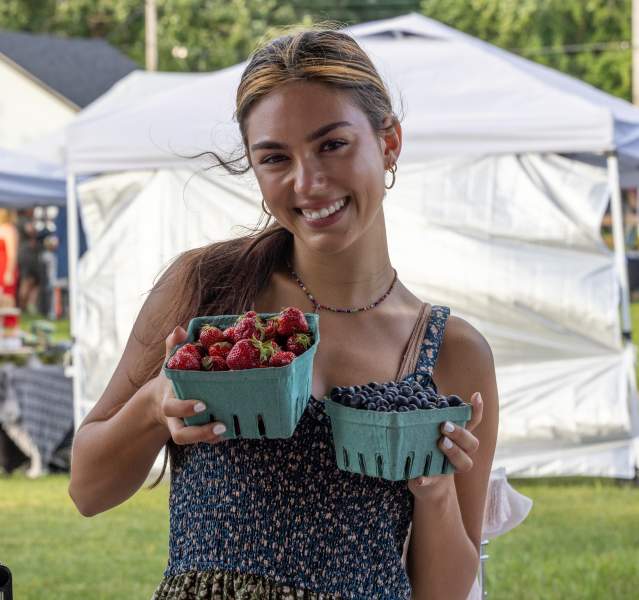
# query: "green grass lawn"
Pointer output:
{"type": "Point", "coordinates": [579, 543]}
{"type": "Point", "coordinates": [55, 553]}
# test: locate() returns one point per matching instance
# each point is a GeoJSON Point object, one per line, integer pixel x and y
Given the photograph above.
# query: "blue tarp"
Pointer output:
{"type": "Point", "coordinates": [26, 182]}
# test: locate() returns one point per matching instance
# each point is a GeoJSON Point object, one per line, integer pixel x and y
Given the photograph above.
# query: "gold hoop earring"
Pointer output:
{"type": "Point", "coordinates": [392, 171]}
{"type": "Point", "coordinates": [264, 208]}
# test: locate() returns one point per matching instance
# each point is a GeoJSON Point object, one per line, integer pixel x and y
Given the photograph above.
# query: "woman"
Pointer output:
{"type": "Point", "coordinates": [276, 518]}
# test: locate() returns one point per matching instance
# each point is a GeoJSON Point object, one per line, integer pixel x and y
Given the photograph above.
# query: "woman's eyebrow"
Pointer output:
{"type": "Point", "coordinates": [269, 145]}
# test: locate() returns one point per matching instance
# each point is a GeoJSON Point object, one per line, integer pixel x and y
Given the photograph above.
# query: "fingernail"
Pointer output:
{"type": "Point", "coordinates": [199, 407]}
{"type": "Point", "coordinates": [218, 429]}
{"type": "Point", "coordinates": [175, 330]}
{"type": "Point", "coordinates": [449, 427]}
{"type": "Point", "coordinates": [447, 443]}
{"type": "Point", "coordinates": [479, 400]}
{"type": "Point", "coordinates": [424, 481]}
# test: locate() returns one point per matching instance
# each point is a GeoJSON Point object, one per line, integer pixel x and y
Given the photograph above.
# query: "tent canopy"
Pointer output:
{"type": "Point", "coordinates": [26, 181]}
{"type": "Point", "coordinates": [460, 96]}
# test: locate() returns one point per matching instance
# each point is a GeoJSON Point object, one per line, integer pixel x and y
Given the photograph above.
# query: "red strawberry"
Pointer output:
{"type": "Point", "coordinates": [299, 343]}
{"type": "Point", "coordinates": [229, 332]}
{"type": "Point", "coordinates": [249, 327]}
{"type": "Point", "coordinates": [195, 349]}
{"type": "Point", "coordinates": [184, 360]}
{"type": "Point", "coordinates": [281, 359]}
{"type": "Point", "coordinates": [214, 363]}
{"type": "Point", "coordinates": [209, 334]}
{"type": "Point", "coordinates": [220, 349]}
{"type": "Point", "coordinates": [244, 355]}
{"type": "Point", "coordinates": [291, 320]}
{"type": "Point", "coordinates": [270, 330]}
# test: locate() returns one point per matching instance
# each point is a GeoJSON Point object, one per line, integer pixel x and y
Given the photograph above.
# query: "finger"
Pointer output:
{"type": "Point", "coordinates": [456, 456]}
{"type": "Point", "coordinates": [174, 407]}
{"type": "Point", "coordinates": [478, 411]}
{"type": "Point", "coordinates": [462, 437]}
{"type": "Point", "coordinates": [192, 434]}
{"type": "Point", "coordinates": [177, 336]}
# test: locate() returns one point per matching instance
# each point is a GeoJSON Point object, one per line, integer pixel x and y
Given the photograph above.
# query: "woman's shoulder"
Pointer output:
{"type": "Point", "coordinates": [464, 353]}
{"type": "Point", "coordinates": [461, 336]}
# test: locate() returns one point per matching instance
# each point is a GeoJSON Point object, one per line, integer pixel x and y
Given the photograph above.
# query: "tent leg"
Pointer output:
{"type": "Point", "coordinates": [72, 252]}
{"type": "Point", "coordinates": [619, 243]}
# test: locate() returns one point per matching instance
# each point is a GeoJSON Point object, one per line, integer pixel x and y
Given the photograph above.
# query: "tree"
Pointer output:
{"type": "Point", "coordinates": [588, 39]}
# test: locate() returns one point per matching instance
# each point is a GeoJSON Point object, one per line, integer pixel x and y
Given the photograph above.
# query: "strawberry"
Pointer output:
{"type": "Point", "coordinates": [195, 349]}
{"type": "Point", "coordinates": [229, 333]}
{"type": "Point", "coordinates": [298, 343]}
{"type": "Point", "coordinates": [247, 354]}
{"type": "Point", "coordinates": [209, 334]}
{"type": "Point", "coordinates": [184, 360]}
{"type": "Point", "coordinates": [281, 359]}
{"type": "Point", "coordinates": [291, 320]}
{"type": "Point", "coordinates": [248, 327]}
{"type": "Point", "coordinates": [270, 330]}
{"type": "Point", "coordinates": [214, 363]}
{"type": "Point", "coordinates": [220, 349]}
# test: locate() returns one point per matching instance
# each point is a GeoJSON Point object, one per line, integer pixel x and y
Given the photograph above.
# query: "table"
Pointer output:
{"type": "Point", "coordinates": [36, 410]}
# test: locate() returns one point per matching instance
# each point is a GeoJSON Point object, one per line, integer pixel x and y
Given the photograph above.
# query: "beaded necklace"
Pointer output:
{"type": "Point", "coordinates": [319, 306]}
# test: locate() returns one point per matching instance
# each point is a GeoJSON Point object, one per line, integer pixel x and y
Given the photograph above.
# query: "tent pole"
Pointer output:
{"type": "Point", "coordinates": [72, 257]}
{"type": "Point", "coordinates": [619, 242]}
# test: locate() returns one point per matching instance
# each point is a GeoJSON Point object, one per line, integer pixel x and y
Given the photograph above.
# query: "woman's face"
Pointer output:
{"type": "Point", "coordinates": [313, 149]}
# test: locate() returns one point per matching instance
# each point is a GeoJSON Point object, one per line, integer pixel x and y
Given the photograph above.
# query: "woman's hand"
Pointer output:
{"type": "Point", "coordinates": [171, 410]}
{"type": "Point", "coordinates": [458, 445]}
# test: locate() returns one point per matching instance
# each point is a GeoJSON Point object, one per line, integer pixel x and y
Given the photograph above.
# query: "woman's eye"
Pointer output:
{"type": "Point", "coordinates": [333, 144]}
{"type": "Point", "coordinates": [272, 159]}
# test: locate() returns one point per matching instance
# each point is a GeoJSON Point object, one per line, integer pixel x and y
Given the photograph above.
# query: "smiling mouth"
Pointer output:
{"type": "Point", "coordinates": [318, 215]}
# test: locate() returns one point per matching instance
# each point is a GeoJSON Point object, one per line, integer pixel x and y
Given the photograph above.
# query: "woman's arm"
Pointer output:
{"type": "Point", "coordinates": [443, 554]}
{"type": "Point", "coordinates": [118, 441]}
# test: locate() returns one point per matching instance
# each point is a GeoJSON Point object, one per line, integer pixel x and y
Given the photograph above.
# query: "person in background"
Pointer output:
{"type": "Point", "coordinates": [28, 262]}
{"type": "Point", "coordinates": [8, 257]}
{"type": "Point", "coordinates": [49, 264]}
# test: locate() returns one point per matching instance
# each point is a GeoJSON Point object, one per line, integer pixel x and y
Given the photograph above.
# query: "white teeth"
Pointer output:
{"type": "Point", "coordinates": [324, 212]}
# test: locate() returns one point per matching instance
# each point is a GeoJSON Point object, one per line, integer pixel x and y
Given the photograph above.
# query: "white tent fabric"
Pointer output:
{"type": "Point", "coordinates": [460, 95]}
{"type": "Point", "coordinates": [548, 310]}
{"type": "Point", "coordinates": [26, 181]}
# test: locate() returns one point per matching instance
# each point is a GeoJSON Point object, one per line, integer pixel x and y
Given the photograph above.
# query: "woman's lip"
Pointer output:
{"type": "Point", "coordinates": [332, 218]}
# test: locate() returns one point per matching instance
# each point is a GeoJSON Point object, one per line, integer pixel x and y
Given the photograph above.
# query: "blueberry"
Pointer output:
{"type": "Point", "coordinates": [351, 390]}
{"type": "Point", "coordinates": [454, 400]}
{"type": "Point", "coordinates": [443, 404]}
{"type": "Point", "coordinates": [406, 390]}
{"type": "Point", "coordinates": [412, 406]}
{"type": "Point", "coordinates": [402, 409]}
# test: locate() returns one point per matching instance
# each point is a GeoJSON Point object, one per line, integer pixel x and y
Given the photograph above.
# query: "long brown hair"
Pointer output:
{"type": "Point", "coordinates": [226, 277]}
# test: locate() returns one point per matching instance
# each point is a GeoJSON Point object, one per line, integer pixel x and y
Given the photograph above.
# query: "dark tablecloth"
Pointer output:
{"type": "Point", "coordinates": [37, 399]}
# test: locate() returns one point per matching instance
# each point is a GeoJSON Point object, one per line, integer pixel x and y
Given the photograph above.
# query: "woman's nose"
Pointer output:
{"type": "Point", "coordinates": [309, 178]}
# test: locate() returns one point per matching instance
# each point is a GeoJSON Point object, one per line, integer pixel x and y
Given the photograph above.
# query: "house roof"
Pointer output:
{"type": "Point", "coordinates": [78, 69]}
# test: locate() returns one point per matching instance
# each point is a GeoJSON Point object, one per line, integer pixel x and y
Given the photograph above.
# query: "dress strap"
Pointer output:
{"type": "Point", "coordinates": [431, 343]}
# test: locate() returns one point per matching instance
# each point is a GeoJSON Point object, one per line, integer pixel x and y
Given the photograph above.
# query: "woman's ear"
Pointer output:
{"type": "Point", "coordinates": [391, 141]}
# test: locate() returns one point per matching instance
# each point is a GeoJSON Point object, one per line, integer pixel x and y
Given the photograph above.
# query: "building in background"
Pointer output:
{"type": "Point", "coordinates": [45, 80]}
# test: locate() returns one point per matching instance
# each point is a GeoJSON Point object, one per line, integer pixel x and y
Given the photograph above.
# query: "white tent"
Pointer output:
{"type": "Point", "coordinates": [507, 228]}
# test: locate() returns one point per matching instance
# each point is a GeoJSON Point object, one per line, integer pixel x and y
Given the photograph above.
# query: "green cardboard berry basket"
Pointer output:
{"type": "Point", "coordinates": [252, 403]}
{"type": "Point", "coordinates": [392, 445]}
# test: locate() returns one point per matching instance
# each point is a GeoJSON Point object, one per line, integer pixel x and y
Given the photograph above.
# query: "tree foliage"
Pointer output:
{"type": "Point", "coordinates": [579, 37]}
{"type": "Point", "coordinates": [203, 35]}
